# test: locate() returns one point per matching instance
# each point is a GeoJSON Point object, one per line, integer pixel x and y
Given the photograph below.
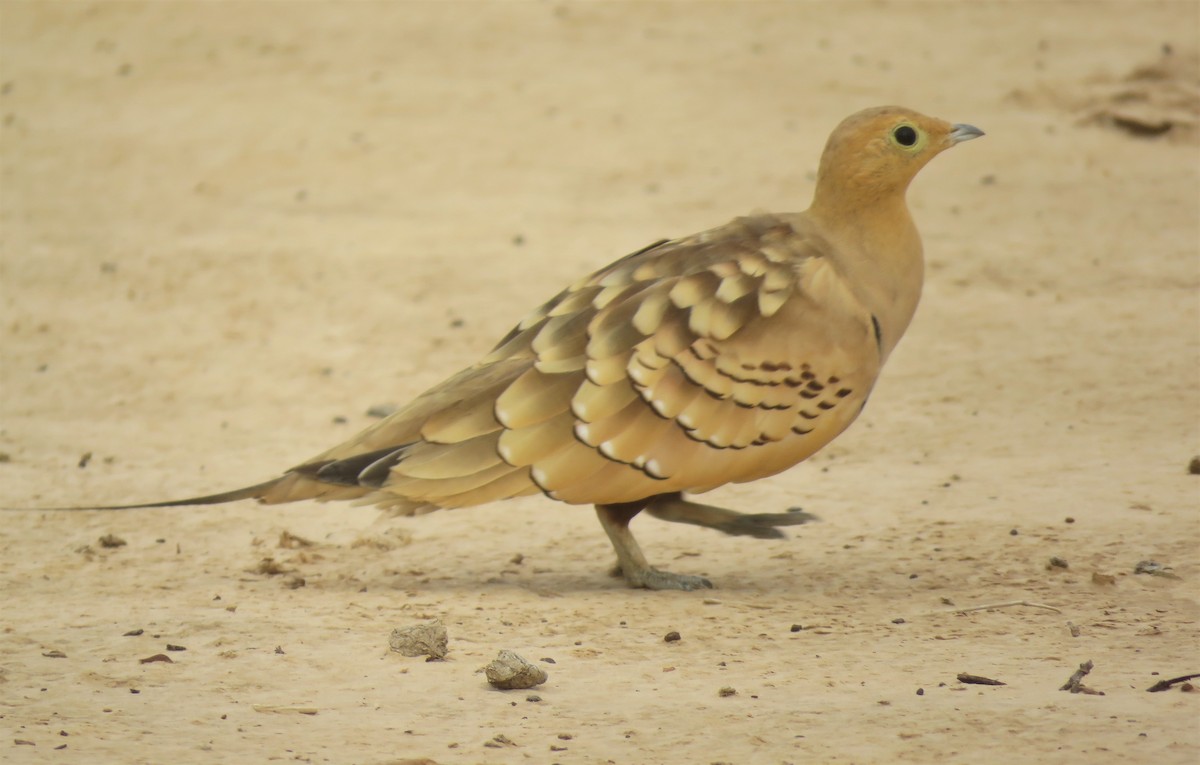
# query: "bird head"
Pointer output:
{"type": "Point", "coordinates": [874, 154]}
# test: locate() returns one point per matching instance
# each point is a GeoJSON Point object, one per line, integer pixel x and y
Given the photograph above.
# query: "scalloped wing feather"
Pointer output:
{"type": "Point", "coordinates": [717, 358]}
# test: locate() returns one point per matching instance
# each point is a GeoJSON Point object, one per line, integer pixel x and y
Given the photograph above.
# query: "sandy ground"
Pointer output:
{"type": "Point", "coordinates": [228, 229]}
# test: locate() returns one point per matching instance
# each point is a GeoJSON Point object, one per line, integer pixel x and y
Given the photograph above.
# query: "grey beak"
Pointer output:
{"type": "Point", "coordinates": [962, 133]}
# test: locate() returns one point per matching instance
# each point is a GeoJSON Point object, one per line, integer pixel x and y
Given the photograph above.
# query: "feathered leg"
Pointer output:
{"type": "Point", "coordinates": [615, 520]}
{"type": "Point", "coordinates": [674, 508]}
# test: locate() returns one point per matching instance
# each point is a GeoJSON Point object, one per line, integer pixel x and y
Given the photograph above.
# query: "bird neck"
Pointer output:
{"type": "Point", "coordinates": [879, 251]}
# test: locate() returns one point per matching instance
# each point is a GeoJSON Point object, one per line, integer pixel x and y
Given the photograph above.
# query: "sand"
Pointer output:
{"type": "Point", "coordinates": [229, 229]}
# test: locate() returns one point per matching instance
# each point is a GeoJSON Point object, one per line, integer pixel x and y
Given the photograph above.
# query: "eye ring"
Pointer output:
{"type": "Point", "coordinates": [905, 135]}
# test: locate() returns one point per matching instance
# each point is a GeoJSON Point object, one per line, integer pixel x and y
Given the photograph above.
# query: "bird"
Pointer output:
{"type": "Point", "coordinates": [722, 357]}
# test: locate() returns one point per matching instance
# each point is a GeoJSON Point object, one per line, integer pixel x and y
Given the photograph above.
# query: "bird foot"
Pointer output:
{"type": "Point", "coordinates": [676, 509]}
{"type": "Point", "coordinates": [763, 525]}
{"type": "Point", "coordinates": [655, 579]}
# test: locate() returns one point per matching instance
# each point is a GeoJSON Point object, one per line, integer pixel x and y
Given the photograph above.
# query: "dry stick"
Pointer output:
{"type": "Point", "coordinates": [1163, 685]}
{"type": "Point", "coordinates": [1072, 685]}
{"type": "Point", "coordinates": [1007, 604]}
{"type": "Point", "coordinates": [1075, 684]}
{"type": "Point", "coordinates": [963, 677]}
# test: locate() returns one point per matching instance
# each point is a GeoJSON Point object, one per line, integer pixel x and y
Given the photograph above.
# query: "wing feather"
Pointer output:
{"type": "Point", "coordinates": [514, 484]}
{"type": "Point", "coordinates": [435, 491]}
{"type": "Point", "coordinates": [696, 362]}
{"type": "Point", "coordinates": [594, 402]}
{"type": "Point", "coordinates": [534, 397]}
{"type": "Point", "coordinates": [525, 446]}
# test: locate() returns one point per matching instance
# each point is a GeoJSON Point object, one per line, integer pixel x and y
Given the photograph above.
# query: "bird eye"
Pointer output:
{"type": "Point", "coordinates": [905, 135]}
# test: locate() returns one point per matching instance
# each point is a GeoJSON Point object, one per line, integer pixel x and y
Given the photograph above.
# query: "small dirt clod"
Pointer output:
{"type": "Point", "coordinates": [508, 671]}
{"type": "Point", "coordinates": [425, 639]}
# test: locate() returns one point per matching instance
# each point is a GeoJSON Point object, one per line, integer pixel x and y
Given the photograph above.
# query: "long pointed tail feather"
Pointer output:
{"type": "Point", "coordinates": [257, 491]}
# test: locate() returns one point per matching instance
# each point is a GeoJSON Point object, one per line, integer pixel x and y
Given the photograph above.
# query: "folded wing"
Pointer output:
{"type": "Point", "coordinates": [722, 357]}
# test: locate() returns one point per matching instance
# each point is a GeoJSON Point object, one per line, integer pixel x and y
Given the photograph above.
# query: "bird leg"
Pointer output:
{"type": "Point", "coordinates": [637, 572]}
{"type": "Point", "coordinates": [674, 508]}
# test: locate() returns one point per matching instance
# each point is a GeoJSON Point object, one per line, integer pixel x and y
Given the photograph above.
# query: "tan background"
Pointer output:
{"type": "Point", "coordinates": [227, 224]}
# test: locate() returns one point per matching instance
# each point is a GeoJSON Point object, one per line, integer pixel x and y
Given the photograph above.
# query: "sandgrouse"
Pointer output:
{"type": "Point", "coordinates": [721, 357]}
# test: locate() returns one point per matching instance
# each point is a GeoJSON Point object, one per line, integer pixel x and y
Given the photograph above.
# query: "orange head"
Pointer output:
{"type": "Point", "coordinates": [875, 153]}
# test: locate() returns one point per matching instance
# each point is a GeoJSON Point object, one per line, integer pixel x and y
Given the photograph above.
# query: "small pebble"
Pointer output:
{"type": "Point", "coordinates": [671, 637]}
{"type": "Point", "coordinates": [156, 658]}
{"type": "Point", "coordinates": [382, 410]}
{"type": "Point", "coordinates": [727, 691]}
{"type": "Point", "coordinates": [1154, 569]}
{"type": "Point", "coordinates": [796, 628]}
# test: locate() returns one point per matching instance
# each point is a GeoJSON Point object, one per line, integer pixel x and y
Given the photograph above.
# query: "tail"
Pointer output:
{"type": "Point", "coordinates": [258, 491]}
{"type": "Point", "coordinates": [295, 485]}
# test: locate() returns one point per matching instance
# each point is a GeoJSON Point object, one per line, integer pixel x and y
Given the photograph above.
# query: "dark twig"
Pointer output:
{"type": "Point", "coordinates": [963, 677]}
{"type": "Point", "coordinates": [1075, 684]}
{"type": "Point", "coordinates": [1163, 685]}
